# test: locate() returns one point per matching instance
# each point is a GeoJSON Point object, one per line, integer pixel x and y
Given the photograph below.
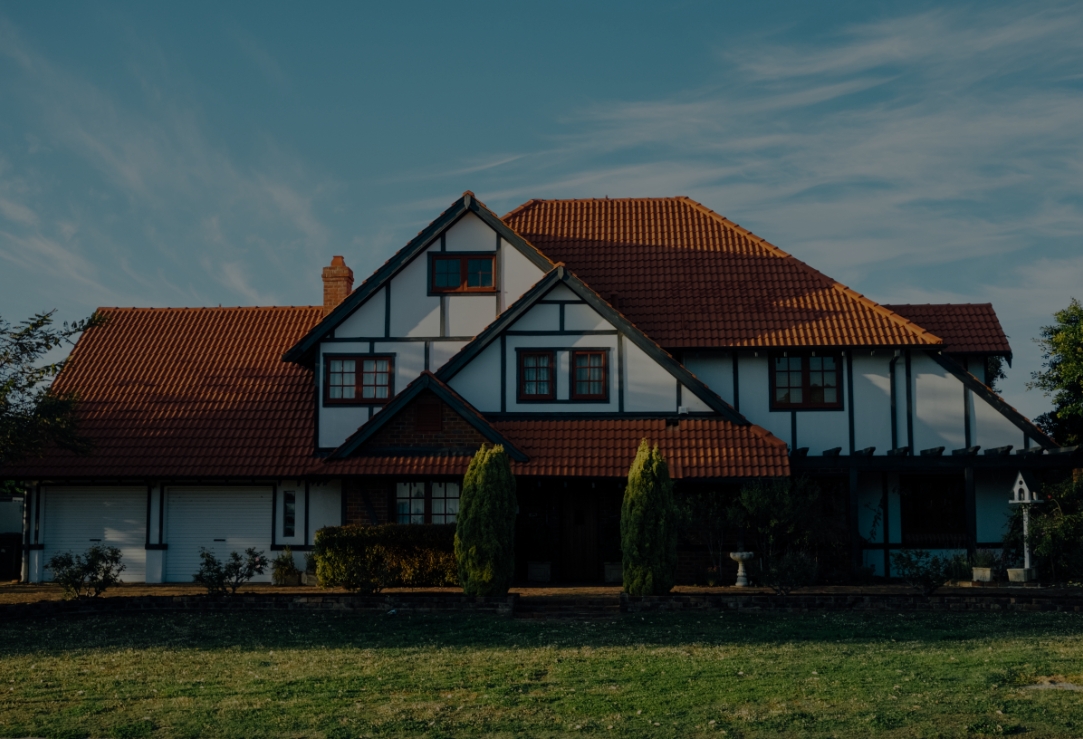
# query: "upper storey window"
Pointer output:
{"type": "Point", "coordinates": [537, 380]}
{"type": "Point", "coordinates": [805, 382]}
{"type": "Point", "coordinates": [462, 273]}
{"type": "Point", "coordinates": [363, 380]}
{"type": "Point", "coordinates": [590, 379]}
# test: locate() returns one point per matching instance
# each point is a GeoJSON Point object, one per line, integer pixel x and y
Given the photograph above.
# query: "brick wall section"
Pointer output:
{"type": "Point", "coordinates": [401, 432]}
{"type": "Point", "coordinates": [379, 495]}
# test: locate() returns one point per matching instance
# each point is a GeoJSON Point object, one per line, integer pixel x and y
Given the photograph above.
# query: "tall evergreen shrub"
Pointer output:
{"type": "Point", "coordinates": [648, 525]}
{"type": "Point", "coordinates": [485, 528]}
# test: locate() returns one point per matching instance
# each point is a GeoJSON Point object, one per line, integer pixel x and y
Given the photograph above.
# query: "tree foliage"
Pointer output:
{"type": "Point", "coordinates": [32, 415]}
{"type": "Point", "coordinates": [485, 527]}
{"type": "Point", "coordinates": [1055, 531]}
{"type": "Point", "coordinates": [87, 575]}
{"type": "Point", "coordinates": [1062, 375]}
{"type": "Point", "coordinates": [648, 525]}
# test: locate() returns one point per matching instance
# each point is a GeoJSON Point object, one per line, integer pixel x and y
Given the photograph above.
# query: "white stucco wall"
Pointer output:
{"type": "Point", "coordinates": [938, 406]}
{"type": "Point", "coordinates": [413, 311]}
{"type": "Point", "coordinates": [470, 233]}
{"type": "Point", "coordinates": [367, 320]}
{"type": "Point", "coordinates": [715, 369]}
{"type": "Point", "coordinates": [479, 381]}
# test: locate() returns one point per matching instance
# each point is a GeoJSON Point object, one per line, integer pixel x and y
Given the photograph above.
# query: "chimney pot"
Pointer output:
{"type": "Point", "coordinates": [337, 283]}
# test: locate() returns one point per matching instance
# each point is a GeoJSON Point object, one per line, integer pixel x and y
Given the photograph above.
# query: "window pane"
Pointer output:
{"type": "Point", "coordinates": [336, 365]}
{"type": "Point", "coordinates": [831, 395]}
{"type": "Point", "coordinates": [289, 512]}
{"type": "Point", "coordinates": [446, 273]}
{"type": "Point", "coordinates": [479, 272]}
{"type": "Point", "coordinates": [795, 395]}
{"type": "Point", "coordinates": [816, 395]}
{"type": "Point", "coordinates": [334, 392]}
{"type": "Point", "coordinates": [782, 395]}
{"type": "Point", "coordinates": [829, 363]}
{"type": "Point", "coordinates": [795, 379]}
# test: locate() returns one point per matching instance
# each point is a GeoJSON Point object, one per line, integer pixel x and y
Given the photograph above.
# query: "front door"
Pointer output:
{"type": "Point", "coordinates": [579, 536]}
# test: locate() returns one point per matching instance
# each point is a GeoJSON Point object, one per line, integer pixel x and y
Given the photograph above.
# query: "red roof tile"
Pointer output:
{"type": "Point", "coordinates": [966, 328]}
{"type": "Point", "coordinates": [203, 393]}
{"type": "Point", "coordinates": [690, 278]}
{"type": "Point", "coordinates": [189, 392]}
{"type": "Point", "coordinates": [695, 448]}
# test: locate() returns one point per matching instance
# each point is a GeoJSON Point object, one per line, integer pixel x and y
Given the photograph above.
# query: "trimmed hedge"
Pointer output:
{"type": "Point", "coordinates": [368, 559]}
{"type": "Point", "coordinates": [648, 525]}
{"type": "Point", "coordinates": [485, 533]}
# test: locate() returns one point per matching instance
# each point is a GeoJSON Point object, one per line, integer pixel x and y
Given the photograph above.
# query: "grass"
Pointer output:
{"type": "Point", "coordinates": [303, 675]}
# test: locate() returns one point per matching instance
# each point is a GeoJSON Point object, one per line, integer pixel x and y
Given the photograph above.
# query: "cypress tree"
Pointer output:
{"type": "Point", "coordinates": [485, 527]}
{"type": "Point", "coordinates": [648, 525]}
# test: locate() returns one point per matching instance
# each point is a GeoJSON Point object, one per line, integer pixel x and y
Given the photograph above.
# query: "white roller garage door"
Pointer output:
{"type": "Point", "coordinates": [78, 518]}
{"type": "Point", "coordinates": [222, 520]}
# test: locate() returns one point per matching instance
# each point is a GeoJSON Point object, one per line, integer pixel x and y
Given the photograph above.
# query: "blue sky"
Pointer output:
{"type": "Point", "coordinates": [193, 154]}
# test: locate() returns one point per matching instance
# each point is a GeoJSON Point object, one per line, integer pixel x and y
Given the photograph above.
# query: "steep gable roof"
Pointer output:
{"type": "Point", "coordinates": [427, 381]}
{"type": "Point", "coordinates": [689, 278]}
{"type": "Point", "coordinates": [562, 275]}
{"type": "Point", "coordinates": [966, 328]}
{"type": "Point", "coordinates": [302, 350]}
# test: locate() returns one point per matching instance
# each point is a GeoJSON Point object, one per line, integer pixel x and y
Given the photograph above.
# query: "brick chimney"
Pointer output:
{"type": "Point", "coordinates": [337, 284]}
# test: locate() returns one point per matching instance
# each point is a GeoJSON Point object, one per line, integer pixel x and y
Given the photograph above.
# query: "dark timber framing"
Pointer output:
{"type": "Point", "coordinates": [427, 381]}
{"type": "Point", "coordinates": [302, 351]}
{"type": "Point", "coordinates": [978, 388]}
{"type": "Point", "coordinates": [560, 275]}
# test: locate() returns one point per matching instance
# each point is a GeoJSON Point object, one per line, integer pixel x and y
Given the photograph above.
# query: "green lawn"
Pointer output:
{"type": "Point", "coordinates": [295, 675]}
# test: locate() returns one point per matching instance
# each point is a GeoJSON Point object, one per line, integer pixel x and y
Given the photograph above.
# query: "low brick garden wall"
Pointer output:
{"type": "Point", "coordinates": [986, 600]}
{"type": "Point", "coordinates": [339, 602]}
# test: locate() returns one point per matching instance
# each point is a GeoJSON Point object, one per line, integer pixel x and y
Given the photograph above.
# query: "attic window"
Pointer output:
{"type": "Point", "coordinates": [537, 380]}
{"type": "Point", "coordinates": [462, 273]}
{"type": "Point", "coordinates": [428, 416]}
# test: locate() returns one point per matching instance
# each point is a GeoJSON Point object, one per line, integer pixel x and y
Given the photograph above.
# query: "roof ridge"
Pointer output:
{"type": "Point", "coordinates": [208, 308]}
{"type": "Point", "coordinates": [835, 284]}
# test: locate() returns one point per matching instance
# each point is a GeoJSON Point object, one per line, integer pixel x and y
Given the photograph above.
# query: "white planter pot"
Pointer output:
{"type": "Point", "coordinates": [614, 572]}
{"type": "Point", "coordinates": [1022, 574]}
{"type": "Point", "coordinates": [982, 574]}
{"type": "Point", "coordinates": [539, 571]}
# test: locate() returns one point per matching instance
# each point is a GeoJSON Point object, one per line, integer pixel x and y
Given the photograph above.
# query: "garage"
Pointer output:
{"type": "Point", "coordinates": [76, 519]}
{"type": "Point", "coordinates": [220, 519]}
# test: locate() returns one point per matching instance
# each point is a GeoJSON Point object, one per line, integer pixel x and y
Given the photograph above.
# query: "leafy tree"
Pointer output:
{"type": "Point", "coordinates": [648, 525]}
{"type": "Point", "coordinates": [32, 415]}
{"type": "Point", "coordinates": [1062, 376]}
{"type": "Point", "coordinates": [223, 578]}
{"type": "Point", "coordinates": [485, 527]}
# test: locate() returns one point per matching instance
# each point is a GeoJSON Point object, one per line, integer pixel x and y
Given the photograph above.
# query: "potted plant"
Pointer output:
{"type": "Point", "coordinates": [984, 565]}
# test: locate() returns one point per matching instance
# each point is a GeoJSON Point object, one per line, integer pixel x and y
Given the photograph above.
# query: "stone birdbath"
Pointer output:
{"type": "Point", "coordinates": [740, 558]}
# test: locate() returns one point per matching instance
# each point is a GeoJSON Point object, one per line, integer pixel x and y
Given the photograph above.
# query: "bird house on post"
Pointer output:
{"type": "Point", "coordinates": [1025, 493]}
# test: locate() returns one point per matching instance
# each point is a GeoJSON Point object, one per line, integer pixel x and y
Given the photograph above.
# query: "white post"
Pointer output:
{"type": "Point", "coordinates": [1026, 533]}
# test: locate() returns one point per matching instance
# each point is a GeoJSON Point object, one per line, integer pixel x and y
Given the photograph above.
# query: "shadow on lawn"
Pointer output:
{"type": "Point", "coordinates": [405, 631]}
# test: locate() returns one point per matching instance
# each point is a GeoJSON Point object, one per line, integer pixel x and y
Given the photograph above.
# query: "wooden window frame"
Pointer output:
{"type": "Point", "coordinates": [463, 257]}
{"type": "Point", "coordinates": [428, 498]}
{"type": "Point", "coordinates": [805, 384]}
{"type": "Point", "coordinates": [358, 380]}
{"type": "Point", "coordinates": [603, 397]}
{"type": "Point", "coordinates": [520, 355]}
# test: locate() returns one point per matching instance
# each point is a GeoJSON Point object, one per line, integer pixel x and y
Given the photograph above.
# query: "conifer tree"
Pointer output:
{"type": "Point", "coordinates": [648, 525]}
{"type": "Point", "coordinates": [485, 527]}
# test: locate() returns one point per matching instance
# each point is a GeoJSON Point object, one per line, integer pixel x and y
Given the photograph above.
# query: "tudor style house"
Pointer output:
{"type": "Point", "coordinates": [566, 331]}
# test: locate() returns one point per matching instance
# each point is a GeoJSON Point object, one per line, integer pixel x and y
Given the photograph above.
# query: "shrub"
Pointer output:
{"type": "Point", "coordinates": [787, 572]}
{"type": "Point", "coordinates": [920, 570]}
{"type": "Point", "coordinates": [224, 578]}
{"type": "Point", "coordinates": [485, 529]}
{"type": "Point", "coordinates": [986, 558]}
{"type": "Point", "coordinates": [283, 569]}
{"type": "Point", "coordinates": [648, 525]}
{"type": "Point", "coordinates": [958, 568]}
{"type": "Point", "coordinates": [87, 575]}
{"type": "Point", "coordinates": [368, 559]}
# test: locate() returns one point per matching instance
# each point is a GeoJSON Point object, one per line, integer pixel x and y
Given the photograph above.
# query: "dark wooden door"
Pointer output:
{"type": "Point", "coordinates": [579, 537]}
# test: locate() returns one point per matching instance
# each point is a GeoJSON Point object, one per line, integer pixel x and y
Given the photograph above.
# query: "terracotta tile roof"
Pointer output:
{"type": "Point", "coordinates": [690, 278]}
{"type": "Point", "coordinates": [201, 393]}
{"type": "Point", "coordinates": [189, 392]}
{"type": "Point", "coordinates": [695, 448]}
{"type": "Point", "coordinates": [966, 328]}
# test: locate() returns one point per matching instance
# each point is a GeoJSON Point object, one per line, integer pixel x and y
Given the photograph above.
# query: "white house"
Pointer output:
{"type": "Point", "coordinates": [567, 331]}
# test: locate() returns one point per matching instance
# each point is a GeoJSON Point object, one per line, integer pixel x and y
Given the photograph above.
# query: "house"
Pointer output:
{"type": "Point", "coordinates": [566, 331]}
